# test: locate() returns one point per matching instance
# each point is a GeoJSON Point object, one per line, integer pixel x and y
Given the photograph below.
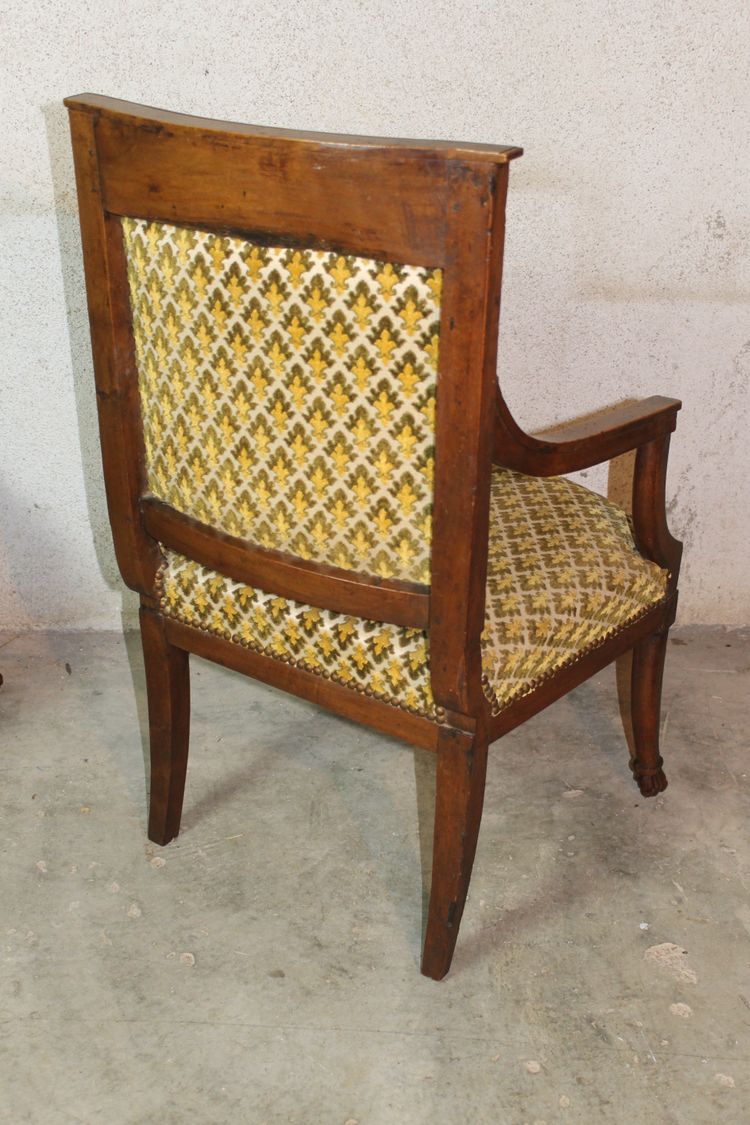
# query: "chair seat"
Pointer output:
{"type": "Point", "coordinates": [563, 576]}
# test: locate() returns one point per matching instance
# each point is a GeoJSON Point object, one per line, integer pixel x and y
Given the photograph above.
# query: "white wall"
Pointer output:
{"type": "Point", "coordinates": [628, 252]}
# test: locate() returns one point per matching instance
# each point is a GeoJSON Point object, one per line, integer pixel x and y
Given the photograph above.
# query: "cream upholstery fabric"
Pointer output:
{"type": "Point", "coordinates": [563, 576]}
{"type": "Point", "coordinates": [288, 396]}
{"type": "Point", "coordinates": [386, 661]}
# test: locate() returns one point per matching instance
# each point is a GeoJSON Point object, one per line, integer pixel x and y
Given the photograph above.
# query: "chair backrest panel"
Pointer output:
{"type": "Point", "coordinates": [288, 395]}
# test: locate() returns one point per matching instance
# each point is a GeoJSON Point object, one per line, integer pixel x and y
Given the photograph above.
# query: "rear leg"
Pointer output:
{"type": "Point", "coordinates": [168, 690]}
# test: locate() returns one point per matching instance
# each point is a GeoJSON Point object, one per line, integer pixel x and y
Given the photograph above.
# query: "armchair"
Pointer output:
{"type": "Point", "coordinates": [311, 473]}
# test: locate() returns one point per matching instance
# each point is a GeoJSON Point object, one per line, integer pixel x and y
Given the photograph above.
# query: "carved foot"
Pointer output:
{"type": "Point", "coordinates": [651, 780]}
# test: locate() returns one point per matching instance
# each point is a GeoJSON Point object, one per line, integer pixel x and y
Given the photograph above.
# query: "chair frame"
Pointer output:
{"type": "Point", "coordinates": [437, 205]}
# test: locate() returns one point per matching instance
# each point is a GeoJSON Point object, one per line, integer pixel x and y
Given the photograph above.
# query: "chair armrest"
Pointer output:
{"type": "Point", "coordinates": [579, 444]}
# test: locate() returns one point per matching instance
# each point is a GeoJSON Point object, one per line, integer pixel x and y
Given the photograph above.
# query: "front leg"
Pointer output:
{"type": "Point", "coordinates": [645, 702]}
{"type": "Point", "coordinates": [459, 798]}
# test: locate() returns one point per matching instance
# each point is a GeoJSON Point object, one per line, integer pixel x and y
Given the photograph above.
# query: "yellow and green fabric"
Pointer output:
{"type": "Point", "coordinates": [379, 659]}
{"type": "Point", "coordinates": [288, 397]}
{"type": "Point", "coordinates": [563, 575]}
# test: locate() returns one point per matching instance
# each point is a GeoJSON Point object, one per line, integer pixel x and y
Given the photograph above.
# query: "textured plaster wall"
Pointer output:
{"type": "Point", "coordinates": [628, 239]}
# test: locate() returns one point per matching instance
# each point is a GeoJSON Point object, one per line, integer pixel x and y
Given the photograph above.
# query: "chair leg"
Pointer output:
{"type": "Point", "coordinates": [645, 702]}
{"type": "Point", "coordinates": [461, 772]}
{"type": "Point", "coordinates": [168, 690]}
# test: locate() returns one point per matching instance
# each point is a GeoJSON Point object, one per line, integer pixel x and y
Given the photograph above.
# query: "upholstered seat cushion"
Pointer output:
{"type": "Point", "coordinates": [563, 576]}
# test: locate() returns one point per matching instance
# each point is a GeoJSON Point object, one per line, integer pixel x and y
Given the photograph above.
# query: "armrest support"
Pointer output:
{"type": "Point", "coordinates": [583, 443]}
{"type": "Point", "coordinates": [649, 510]}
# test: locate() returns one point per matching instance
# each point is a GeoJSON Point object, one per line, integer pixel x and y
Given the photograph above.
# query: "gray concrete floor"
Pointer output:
{"type": "Point", "coordinates": [263, 968]}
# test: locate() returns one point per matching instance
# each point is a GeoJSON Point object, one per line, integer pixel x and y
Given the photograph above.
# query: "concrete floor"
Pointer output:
{"type": "Point", "coordinates": [263, 968]}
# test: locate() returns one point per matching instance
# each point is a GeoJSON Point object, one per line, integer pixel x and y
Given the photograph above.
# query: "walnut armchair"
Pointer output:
{"type": "Point", "coordinates": [311, 473]}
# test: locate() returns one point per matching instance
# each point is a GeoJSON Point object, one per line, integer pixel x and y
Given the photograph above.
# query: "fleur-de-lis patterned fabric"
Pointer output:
{"type": "Point", "coordinates": [386, 661]}
{"type": "Point", "coordinates": [288, 396]}
{"type": "Point", "coordinates": [563, 576]}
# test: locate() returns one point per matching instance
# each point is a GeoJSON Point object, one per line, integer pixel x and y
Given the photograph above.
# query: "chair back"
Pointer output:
{"type": "Point", "coordinates": [295, 351]}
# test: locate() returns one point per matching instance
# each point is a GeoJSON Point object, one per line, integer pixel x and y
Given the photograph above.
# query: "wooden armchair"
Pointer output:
{"type": "Point", "coordinates": [303, 489]}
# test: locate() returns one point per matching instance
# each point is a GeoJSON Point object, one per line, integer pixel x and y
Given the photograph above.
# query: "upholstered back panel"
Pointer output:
{"type": "Point", "coordinates": [288, 396]}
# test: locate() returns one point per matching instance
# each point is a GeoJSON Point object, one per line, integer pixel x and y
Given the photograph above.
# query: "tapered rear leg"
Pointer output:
{"type": "Point", "coordinates": [168, 690]}
{"type": "Point", "coordinates": [645, 702]}
{"type": "Point", "coordinates": [459, 797]}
